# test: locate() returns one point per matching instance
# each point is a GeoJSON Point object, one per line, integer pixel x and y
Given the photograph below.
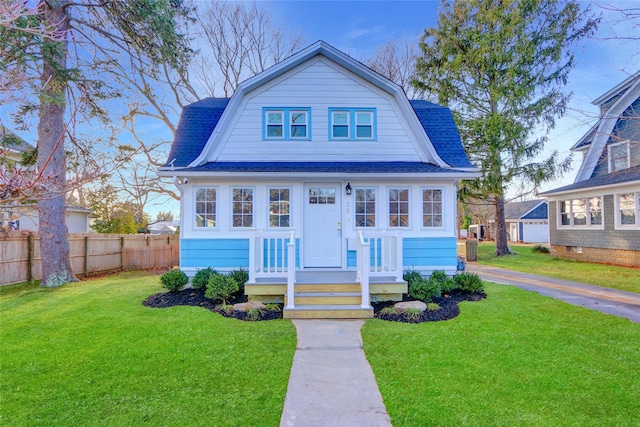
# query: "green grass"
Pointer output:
{"type": "Point", "coordinates": [514, 359]}
{"type": "Point", "coordinates": [89, 353]}
{"type": "Point", "coordinates": [527, 261]}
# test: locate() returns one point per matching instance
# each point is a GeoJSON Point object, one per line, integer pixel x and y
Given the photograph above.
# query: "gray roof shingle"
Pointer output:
{"type": "Point", "coordinates": [619, 177]}
{"type": "Point", "coordinates": [198, 120]}
{"type": "Point", "coordinates": [327, 167]}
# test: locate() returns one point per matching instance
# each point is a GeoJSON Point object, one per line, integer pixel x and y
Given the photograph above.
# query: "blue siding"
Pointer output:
{"type": "Point", "coordinates": [520, 231]}
{"type": "Point", "coordinates": [223, 253]}
{"type": "Point", "coordinates": [422, 251]}
{"type": "Point", "coordinates": [541, 212]}
{"type": "Point", "coordinates": [275, 248]}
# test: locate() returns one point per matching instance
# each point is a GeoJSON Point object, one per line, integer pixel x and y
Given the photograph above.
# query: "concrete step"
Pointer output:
{"type": "Point", "coordinates": [328, 312]}
{"type": "Point", "coordinates": [326, 298]}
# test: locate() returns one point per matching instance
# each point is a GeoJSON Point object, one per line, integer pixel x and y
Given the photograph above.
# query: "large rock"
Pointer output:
{"type": "Point", "coordinates": [246, 306]}
{"type": "Point", "coordinates": [410, 304]}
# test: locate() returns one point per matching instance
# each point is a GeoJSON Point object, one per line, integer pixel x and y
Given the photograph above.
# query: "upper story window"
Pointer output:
{"type": "Point", "coordinates": [242, 207]}
{"type": "Point", "coordinates": [352, 124]}
{"type": "Point", "coordinates": [279, 207]}
{"type": "Point", "coordinates": [398, 207]}
{"type": "Point", "coordinates": [286, 123]}
{"type": "Point", "coordinates": [205, 215]}
{"type": "Point", "coordinates": [365, 207]}
{"type": "Point", "coordinates": [432, 207]}
{"type": "Point", "coordinates": [628, 210]}
{"type": "Point", "coordinates": [624, 155]}
{"type": "Point", "coordinates": [581, 212]}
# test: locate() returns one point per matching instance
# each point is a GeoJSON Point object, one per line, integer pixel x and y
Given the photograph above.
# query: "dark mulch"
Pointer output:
{"type": "Point", "coordinates": [196, 298]}
{"type": "Point", "coordinates": [192, 297]}
{"type": "Point", "coordinates": [448, 308]}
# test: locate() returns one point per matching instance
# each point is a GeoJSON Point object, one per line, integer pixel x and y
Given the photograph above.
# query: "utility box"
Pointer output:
{"type": "Point", "coordinates": [472, 250]}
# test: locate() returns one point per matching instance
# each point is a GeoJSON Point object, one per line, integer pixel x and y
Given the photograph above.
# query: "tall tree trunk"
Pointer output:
{"type": "Point", "coordinates": [502, 243]}
{"type": "Point", "coordinates": [54, 243]}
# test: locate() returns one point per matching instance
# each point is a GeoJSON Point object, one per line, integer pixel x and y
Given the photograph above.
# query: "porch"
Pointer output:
{"type": "Point", "coordinates": [326, 293]}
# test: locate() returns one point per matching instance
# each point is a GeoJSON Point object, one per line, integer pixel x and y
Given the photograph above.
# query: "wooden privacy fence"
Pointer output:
{"type": "Point", "coordinates": [90, 254]}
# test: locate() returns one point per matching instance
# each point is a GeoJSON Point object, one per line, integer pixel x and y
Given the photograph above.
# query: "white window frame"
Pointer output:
{"type": "Point", "coordinates": [332, 124]}
{"type": "Point", "coordinates": [628, 144]}
{"type": "Point", "coordinates": [287, 123]}
{"type": "Point", "coordinates": [618, 216]}
{"type": "Point", "coordinates": [253, 207]}
{"type": "Point", "coordinates": [267, 124]}
{"type": "Point", "coordinates": [272, 227]}
{"type": "Point", "coordinates": [399, 202]}
{"type": "Point", "coordinates": [442, 205]}
{"type": "Point", "coordinates": [371, 115]}
{"type": "Point", "coordinates": [306, 124]}
{"type": "Point", "coordinates": [375, 207]}
{"type": "Point", "coordinates": [216, 213]}
{"type": "Point", "coordinates": [572, 215]}
{"type": "Point", "coordinates": [352, 123]}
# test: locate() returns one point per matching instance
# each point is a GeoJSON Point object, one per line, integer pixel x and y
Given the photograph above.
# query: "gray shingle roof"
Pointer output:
{"type": "Point", "coordinates": [198, 120]}
{"type": "Point", "coordinates": [619, 177]}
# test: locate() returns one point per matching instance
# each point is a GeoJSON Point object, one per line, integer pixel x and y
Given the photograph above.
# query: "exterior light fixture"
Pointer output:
{"type": "Point", "coordinates": [347, 189]}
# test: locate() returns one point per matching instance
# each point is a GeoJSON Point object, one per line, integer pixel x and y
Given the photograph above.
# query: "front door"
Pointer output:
{"type": "Point", "coordinates": [322, 240]}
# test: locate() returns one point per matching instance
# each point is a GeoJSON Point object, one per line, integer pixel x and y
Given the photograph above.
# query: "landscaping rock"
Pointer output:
{"type": "Point", "coordinates": [246, 306]}
{"type": "Point", "coordinates": [404, 305]}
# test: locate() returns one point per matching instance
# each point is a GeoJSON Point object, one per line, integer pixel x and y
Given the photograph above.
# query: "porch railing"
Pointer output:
{"type": "Point", "coordinates": [377, 254]}
{"type": "Point", "coordinates": [273, 255]}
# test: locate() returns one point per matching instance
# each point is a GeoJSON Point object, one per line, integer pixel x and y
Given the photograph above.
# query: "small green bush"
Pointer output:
{"type": "Point", "coordinates": [221, 288]}
{"type": "Point", "coordinates": [432, 306]}
{"type": "Point", "coordinates": [389, 311]}
{"type": "Point", "coordinates": [540, 249]}
{"type": "Point", "coordinates": [424, 290]}
{"type": "Point", "coordinates": [202, 277]}
{"type": "Point", "coordinates": [273, 307]}
{"type": "Point", "coordinates": [174, 280]}
{"type": "Point", "coordinates": [445, 282]}
{"type": "Point", "coordinates": [412, 314]}
{"type": "Point", "coordinates": [241, 276]}
{"type": "Point", "coordinates": [254, 314]}
{"type": "Point", "coordinates": [411, 276]}
{"type": "Point", "coordinates": [469, 282]}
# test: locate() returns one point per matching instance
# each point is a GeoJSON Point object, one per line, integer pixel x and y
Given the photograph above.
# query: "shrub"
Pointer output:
{"type": "Point", "coordinates": [469, 282]}
{"type": "Point", "coordinates": [254, 314]}
{"type": "Point", "coordinates": [540, 249]}
{"type": "Point", "coordinates": [412, 275]}
{"type": "Point", "coordinates": [221, 288]}
{"type": "Point", "coordinates": [202, 277]}
{"type": "Point", "coordinates": [445, 282]}
{"type": "Point", "coordinates": [412, 314]}
{"type": "Point", "coordinates": [241, 276]}
{"type": "Point", "coordinates": [388, 311]}
{"type": "Point", "coordinates": [432, 306]}
{"type": "Point", "coordinates": [273, 307]}
{"type": "Point", "coordinates": [424, 290]}
{"type": "Point", "coordinates": [174, 280]}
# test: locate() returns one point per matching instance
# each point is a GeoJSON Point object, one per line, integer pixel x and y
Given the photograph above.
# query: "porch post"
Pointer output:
{"type": "Point", "coordinates": [364, 268]}
{"type": "Point", "coordinates": [399, 256]}
{"type": "Point", "coordinates": [291, 269]}
{"type": "Point", "coordinates": [252, 257]}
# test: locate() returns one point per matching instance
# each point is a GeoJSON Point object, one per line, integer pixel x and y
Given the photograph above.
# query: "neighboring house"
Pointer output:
{"type": "Point", "coordinates": [526, 221]}
{"type": "Point", "coordinates": [163, 227]}
{"type": "Point", "coordinates": [312, 164]}
{"type": "Point", "coordinates": [25, 217]}
{"type": "Point", "coordinates": [597, 218]}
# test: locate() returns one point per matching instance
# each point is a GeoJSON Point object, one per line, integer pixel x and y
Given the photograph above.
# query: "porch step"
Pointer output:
{"type": "Point", "coordinates": [327, 287]}
{"type": "Point", "coordinates": [328, 312]}
{"type": "Point", "coordinates": [326, 298]}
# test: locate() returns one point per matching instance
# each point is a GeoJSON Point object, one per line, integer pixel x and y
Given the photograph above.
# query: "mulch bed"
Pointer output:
{"type": "Point", "coordinates": [195, 298]}
{"type": "Point", "coordinates": [448, 308]}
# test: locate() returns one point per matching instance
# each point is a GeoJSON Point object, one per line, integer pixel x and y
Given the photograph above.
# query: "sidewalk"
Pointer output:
{"type": "Point", "coordinates": [331, 381]}
{"type": "Point", "coordinates": [606, 300]}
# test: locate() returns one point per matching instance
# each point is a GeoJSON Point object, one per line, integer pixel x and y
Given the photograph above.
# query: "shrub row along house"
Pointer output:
{"type": "Point", "coordinates": [597, 218]}
{"type": "Point", "coordinates": [318, 171]}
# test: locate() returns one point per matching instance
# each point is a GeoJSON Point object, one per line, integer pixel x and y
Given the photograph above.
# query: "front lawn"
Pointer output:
{"type": "Point", "coordinates": [514, 359]}
{"type": "Point", "coordinates": [527, 261]}
{"type": "Point", "coordinates": [89, 353]}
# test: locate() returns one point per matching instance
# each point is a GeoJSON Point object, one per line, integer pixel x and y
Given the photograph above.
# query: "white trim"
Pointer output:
{"type": "Point", "coordinates": [409, 207]}
{"type": "Point", "coordinates": [587, 225]}
{"type": "Point", "coordinates": [253, 207]}
{"type": "Point", "coordinates": [376, 207]}
{"type": "Point", "coordinates": [194, 222]}
{"type": "Point", "coordinates": [268, 201]}
{"type": "Point", "coordinates": [442, 204]}
{"type": "Point", "coordinates": [616, 207]}
{"type": "Point", "coordinates": [449, 176]}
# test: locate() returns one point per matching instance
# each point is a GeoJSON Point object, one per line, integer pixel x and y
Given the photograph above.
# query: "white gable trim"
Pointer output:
{"type": "Point", "coordinates": [605, 128]}
{"type": "Point", "coordinates": [213, 147]}
{"type": "Point", "coordinates": [617, 89]}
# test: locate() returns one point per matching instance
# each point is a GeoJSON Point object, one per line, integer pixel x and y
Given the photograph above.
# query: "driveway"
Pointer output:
{"type": "Point", "coordinates": [610, 301]}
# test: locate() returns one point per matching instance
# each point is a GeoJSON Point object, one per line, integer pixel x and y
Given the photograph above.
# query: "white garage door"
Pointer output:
{"type": "Point", "coordinates": [536, 233]}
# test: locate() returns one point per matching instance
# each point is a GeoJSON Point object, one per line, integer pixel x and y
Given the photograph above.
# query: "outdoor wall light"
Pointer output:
{"type": "Point", "coordinates": [347, 189]}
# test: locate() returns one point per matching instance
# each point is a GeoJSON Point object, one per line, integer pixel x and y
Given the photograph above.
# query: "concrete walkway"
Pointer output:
{"type": "Point", "coordinates": [606, 300]}
{"type": "Point", "coordinates": [331, 382]}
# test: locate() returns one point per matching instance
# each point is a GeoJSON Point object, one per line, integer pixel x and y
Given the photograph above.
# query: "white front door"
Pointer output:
{"type": "Point", "coordinates": [322, 239]}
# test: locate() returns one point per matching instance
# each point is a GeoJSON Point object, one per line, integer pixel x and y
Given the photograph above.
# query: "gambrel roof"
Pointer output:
{"type": "Point", "coordinates": [199, 141]}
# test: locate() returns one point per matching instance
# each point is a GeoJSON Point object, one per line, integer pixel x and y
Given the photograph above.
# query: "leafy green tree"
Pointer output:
{"type": "Point", "coordinates": [501, 65]}
{"type": "Point", "coordinates": [70, 82]}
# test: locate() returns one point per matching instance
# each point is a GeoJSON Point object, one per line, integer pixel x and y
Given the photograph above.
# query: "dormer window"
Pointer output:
{"type": "Point", "coordinates": [624, 155]}
{"type": "Point", "coordinates": [286, 123]}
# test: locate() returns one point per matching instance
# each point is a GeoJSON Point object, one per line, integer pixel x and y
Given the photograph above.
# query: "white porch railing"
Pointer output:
{"type": "Point", "coordinates": [377, 254]}
{"type": "Point", "coordinates": [273, 255]}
